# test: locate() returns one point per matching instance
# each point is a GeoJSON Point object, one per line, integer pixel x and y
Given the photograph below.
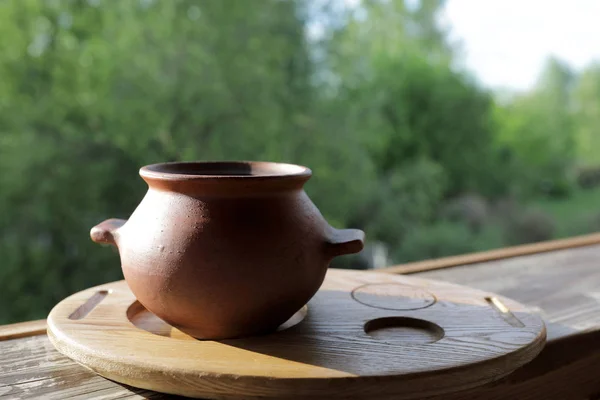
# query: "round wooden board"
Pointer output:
{"type": "Point", "coordinates": [365, 335]}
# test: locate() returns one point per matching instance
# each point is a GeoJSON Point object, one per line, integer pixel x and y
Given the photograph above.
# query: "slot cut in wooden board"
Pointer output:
{"type": "Point", "coordinates": [363, 335]}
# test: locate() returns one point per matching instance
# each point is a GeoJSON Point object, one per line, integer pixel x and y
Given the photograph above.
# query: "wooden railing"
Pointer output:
{"type": "Point", "coordinates": [491, 255]}
{"type": "Point", "coordinates": [38, 327]}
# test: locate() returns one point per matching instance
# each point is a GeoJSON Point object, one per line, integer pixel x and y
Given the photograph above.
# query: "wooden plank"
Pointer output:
{"type": "Point", "coordinates": [561, 371]}
{"type": "Point", "coordinates": [23, 329]}
{"type": "Point", "coordinates": [447, 338]}
{"type": "Point", "coordinates": [565, 287]}
{"type": "Point", "coordinates": [492, 255]}
{"type": "Point", "coordinates": [30, 367]}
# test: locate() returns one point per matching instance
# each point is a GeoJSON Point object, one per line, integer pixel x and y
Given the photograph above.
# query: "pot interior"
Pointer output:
{"type": "Point", "coordinates": [227, 169]}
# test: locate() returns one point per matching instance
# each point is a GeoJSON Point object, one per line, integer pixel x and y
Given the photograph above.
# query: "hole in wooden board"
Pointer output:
{"type": "Point", "coordinates": [504, 312]}
{"type": "Point", "coordinates": [404, 330]}
{"type": "Point", "coordinates": [89, 305]}
{"type": "Point", "coordinates": [144, 319]}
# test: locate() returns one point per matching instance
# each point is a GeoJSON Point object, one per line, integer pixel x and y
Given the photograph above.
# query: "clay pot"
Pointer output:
{"type": "Point", "coordinates": [225, 249]}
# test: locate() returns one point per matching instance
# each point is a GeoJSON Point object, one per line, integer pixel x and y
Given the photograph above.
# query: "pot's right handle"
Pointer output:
{"type": "Point", "coordinates": [345, 241]}
{"type": "Point", "coordinates": [107, 231]}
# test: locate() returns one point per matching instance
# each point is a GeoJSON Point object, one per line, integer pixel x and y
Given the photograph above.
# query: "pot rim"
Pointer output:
{"type": "Point", "coordinates": [224, 171]}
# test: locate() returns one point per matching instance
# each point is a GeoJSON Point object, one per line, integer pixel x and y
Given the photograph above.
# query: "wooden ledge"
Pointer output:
{"type": "Point", "coordinates": [23, 329]}
{"type": "Point", "coordinates": [32, 328]}
{"type": "Point", "coordinates": [492, 255]}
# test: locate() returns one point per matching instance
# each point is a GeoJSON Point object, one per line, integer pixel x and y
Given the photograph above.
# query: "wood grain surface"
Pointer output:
{"type": "Point", "coordinates": [567, 369]}
{"type": "Point", "coordinates": [30, 368]}
{"type": "Point", "coordinates": [565, 287]}
{"type": "Point", "coordinates": [365, 335]}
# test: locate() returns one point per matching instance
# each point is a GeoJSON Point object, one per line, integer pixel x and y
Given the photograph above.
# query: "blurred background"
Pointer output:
{"type": "Point", "coordinates": [439, 128]}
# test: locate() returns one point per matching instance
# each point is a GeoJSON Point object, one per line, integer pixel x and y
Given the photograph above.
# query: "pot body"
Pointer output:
{"type": "Point", "coordinates": [227, 263]}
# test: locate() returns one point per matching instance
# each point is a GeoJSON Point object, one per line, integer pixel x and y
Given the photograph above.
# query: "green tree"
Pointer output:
{"type": "Point", "coordinates": [90, 91]}
{"type": "Point", "coordinates": [587, 114]}
{"type": "Point", "coordinates": [538, 129]}
{"type": "Point", "coordinates": [375, 104]}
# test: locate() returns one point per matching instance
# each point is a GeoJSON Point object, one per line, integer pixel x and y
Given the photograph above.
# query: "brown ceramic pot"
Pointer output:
{"type": "Point", "coordinates": [225, 249]}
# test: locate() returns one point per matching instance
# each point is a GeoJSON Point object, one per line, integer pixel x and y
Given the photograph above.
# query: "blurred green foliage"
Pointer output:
{"type": "Point", "coordinates": [370, 98]}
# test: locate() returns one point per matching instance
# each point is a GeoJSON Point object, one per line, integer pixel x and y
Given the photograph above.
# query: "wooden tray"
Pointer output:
{"type": "Point", "coordinates": [363, 335]}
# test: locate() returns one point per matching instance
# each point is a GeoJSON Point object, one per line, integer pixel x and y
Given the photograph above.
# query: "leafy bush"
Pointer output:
{"type": "Point", "coordinates": [445, 238]}
{"type": "Point", "coordinates": [528, 226]}
{"type": "Point", "coordinates": [407, 196]}
{"type": "Point", "coordinates": [471, 209]}
{"type": "Point", "coordinates": [588, 177]}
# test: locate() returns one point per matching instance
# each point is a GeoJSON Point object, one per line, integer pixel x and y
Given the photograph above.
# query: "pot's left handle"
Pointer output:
{"type": "Point", "coordinates": [107, 231]}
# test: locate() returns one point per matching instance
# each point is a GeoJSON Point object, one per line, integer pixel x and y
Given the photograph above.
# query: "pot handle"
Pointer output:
{"type": "Point", "coordinates": [346, 241]}
{"type": "Point", "coordinates": [107, 231]}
